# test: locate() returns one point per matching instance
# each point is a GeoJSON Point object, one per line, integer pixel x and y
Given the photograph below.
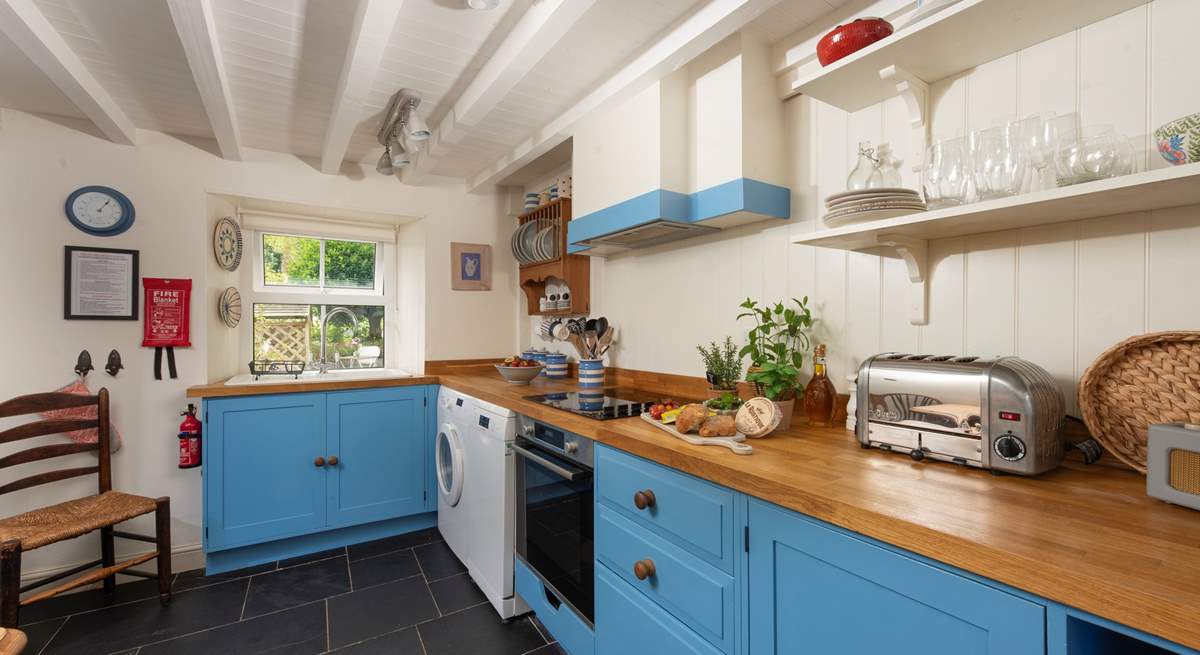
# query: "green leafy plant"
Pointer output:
{"type": "Point", "coordinates": [723, 363]}
{"type": "Point", "coordinates": [725, 402]}
{"type": "Point", "coordinates": [776, 347]}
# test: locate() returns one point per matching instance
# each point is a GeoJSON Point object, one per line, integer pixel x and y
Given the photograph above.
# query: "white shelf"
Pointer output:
{"type": "Point", "coordinates": [954, 40]}
{"type": "Point", "coordinates": [907, 236]}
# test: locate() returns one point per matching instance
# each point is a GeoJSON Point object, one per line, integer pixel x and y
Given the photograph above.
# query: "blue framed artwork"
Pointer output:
{"type": "Point", "coordinates": [470, 267]}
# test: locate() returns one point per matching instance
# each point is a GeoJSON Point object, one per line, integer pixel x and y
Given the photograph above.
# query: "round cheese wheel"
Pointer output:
{"type": "Point", "coordinates": [758, 417]}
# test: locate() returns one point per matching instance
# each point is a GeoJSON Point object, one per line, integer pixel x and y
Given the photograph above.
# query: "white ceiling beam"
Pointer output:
{"type": "Point", "coordinates": [24, 23]}
{"type": "Point", "coordinates": [531, 39]}
{"type": "Point", "coordinates": [699, 32]}
{"type": "Point", "coordinates": [197, 31]}
{"type": "Point", "coordinates": [369, 35]}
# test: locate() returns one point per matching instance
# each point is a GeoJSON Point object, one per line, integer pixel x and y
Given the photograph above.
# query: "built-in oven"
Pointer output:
{"type": "Point", "coordinates": [554, 497]}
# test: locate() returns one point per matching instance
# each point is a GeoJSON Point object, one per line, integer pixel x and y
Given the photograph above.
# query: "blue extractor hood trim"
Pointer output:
{"type": "Point", "coordinates": [740, 195]}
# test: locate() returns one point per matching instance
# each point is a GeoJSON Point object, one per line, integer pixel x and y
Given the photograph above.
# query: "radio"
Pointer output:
{"type": "Point", "coordinates": [1173, 463]}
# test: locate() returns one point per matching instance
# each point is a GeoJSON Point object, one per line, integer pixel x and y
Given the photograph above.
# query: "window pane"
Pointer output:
{"type": "Point", "coordinates": [349, 264]}
{"type": "Point", "coordinates": [291, 261]}
{"type": "Point", "coordinates": [353, 334]}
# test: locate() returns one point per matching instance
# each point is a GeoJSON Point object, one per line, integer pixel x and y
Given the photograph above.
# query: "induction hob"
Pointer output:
{"type": "Point", "coordinates": [601, 404]}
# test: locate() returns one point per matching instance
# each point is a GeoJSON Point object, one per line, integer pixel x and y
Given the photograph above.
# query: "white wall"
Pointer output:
{"type": "Point", "coordinates": [171, 182]}
{"type": "Point", "coordinates": [1057, 295]}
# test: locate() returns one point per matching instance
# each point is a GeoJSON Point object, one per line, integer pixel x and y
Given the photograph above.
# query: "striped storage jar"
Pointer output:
{"type": "Point", "coordinates": [556, 365]}
{"type": "Point", "coordinates": [591, 372]}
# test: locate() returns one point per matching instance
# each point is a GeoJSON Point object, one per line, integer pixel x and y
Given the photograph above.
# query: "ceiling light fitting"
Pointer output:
{"type": "Point", "coordinates": [401, 121]}
{"type": "Point", "coordinates": [483, 5]}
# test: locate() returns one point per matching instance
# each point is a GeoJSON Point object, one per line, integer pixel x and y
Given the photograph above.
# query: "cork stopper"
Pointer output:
{"type": "Point", "coordinates": [819, 351]}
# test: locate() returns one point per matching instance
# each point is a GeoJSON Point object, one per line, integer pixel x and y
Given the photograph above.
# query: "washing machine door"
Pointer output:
{"type": "Point", "coordinates": [450, 468]}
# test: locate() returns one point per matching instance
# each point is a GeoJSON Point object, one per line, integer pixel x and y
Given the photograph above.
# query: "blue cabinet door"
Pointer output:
{"type": "Point", "coordinates": [378, 437]}
{"type": "Point", "coordinates": [259, 479]}
{"type": "Point", "coordinates": [814, 589]}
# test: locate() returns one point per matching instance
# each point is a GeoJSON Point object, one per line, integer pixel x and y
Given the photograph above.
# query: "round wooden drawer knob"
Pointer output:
{"type": "Point", "coordinates": [643, 568]}
{"type": "Point", "coordinates": [319, 462]}
{"type": "Point", "coordinates": [643, 499]}
{"type": "Point", "coordinates": [333, 460]}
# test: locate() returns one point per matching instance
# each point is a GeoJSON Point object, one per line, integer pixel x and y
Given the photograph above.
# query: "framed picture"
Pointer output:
{"type": "Point", "coordinates": [100, 284]}
{"type": "Point", "coordinates": [471, 267]}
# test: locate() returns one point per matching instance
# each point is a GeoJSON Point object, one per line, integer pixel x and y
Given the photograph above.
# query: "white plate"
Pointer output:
{"type": "Point", "coordinates": [876, 205]}
{"type": "Point", "coordinates": [862, 192]}
{"type": "Point", "coordinates": [874, 215]}
{"type": "Point", "coordinates": [545, 243]}
{"type": "Point", "coordinates": [513, 243]}
{"type": "Point", "coordinates": [526, 241]}
{"type": "Point", "coordinates": [873, 197]}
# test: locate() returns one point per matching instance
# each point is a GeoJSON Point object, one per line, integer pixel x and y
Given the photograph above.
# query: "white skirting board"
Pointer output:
{"type": "Point", "coordinates": [183, 558]}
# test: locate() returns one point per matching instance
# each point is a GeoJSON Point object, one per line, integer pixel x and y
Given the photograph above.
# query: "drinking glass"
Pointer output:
{"type": "Point", "coordinates": [1038, 140]}
{"type": "Point", "coordinates": [946, 173]}
{"type": "Point", "coordinates": [998, 164]}
{"type": "Point", "coordinates": [1068, 150]}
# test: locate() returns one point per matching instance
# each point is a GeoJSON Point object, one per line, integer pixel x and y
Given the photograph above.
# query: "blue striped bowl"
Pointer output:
{"type": "Point", "coordinates": [591, 372]}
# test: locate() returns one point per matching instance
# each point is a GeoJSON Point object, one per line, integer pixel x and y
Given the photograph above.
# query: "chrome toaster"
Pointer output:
{"type": "Point", "coordinates": [1004, 414]}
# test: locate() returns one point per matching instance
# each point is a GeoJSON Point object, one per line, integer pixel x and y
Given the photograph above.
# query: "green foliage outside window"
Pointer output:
{"type": "Point", "coordinates": [296, 261]}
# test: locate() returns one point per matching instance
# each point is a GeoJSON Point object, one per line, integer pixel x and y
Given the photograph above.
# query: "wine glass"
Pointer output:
{"type": "Point", "coordinates": [1038, 140]}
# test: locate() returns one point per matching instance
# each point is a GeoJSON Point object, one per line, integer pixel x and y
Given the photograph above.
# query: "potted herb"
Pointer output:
{"type": "Point", "coordinates": [776, 348]}
{"type": "Point", "coordinates": [722, 366]}
{"type": "Point", "coordinates": [726, 403]}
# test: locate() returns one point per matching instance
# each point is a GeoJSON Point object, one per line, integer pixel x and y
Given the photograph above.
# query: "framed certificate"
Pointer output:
{"type": "Point", "coordinates": [100, 284]}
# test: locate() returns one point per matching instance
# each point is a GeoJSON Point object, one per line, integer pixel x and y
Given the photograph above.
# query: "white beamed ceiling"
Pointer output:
{"type": "Point", "coordinates": [283, 59]}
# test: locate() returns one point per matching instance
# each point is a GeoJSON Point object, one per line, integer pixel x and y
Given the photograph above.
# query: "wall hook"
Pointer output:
{"type": "Point", "coordinates": [114, 365]}
{"type": "Point", "coordinates": [83, 365]}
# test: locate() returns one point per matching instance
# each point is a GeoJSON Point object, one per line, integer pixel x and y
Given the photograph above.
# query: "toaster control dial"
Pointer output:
{"type": "Point", "coordinates": [1009, 447]}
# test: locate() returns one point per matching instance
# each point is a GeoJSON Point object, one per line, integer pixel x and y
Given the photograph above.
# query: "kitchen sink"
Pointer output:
{"type": "Point", "coordinates": [316, 376]}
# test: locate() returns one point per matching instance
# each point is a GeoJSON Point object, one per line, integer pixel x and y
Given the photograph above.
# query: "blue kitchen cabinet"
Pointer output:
{"type": "Point", "coordinates": [271, 480]}
{"type": "Point", "coordinates": [378, 439]}
{"type": "Point", "coordinates": [259, 479]}
{"type": "Point", "coordinates": [816, 589]}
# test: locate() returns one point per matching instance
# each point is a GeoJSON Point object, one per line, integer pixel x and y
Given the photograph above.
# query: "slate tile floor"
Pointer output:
{"type": "Point", "coordinates": [404, 595]}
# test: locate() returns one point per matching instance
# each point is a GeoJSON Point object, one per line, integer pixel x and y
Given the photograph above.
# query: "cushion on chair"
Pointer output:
{"type": "Point", "coordinates": [73, 518]}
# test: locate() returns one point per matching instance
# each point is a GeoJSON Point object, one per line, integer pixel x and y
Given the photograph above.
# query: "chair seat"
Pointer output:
{"type": "Point", "coordinates": [73, 518]}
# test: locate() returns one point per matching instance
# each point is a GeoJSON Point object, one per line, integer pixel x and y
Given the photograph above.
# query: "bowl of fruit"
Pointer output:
{"type": "Point", "coordinates": [519, 370]}
{"type": "Point", "coordinates": [661, 407]}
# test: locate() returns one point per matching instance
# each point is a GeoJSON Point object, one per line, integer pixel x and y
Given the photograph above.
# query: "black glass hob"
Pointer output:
{"type": "Point", "coordinates": [601, 404]}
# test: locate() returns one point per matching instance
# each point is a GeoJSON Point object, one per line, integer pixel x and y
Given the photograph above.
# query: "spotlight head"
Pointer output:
{"type": "Point", "coordinates": [384, 166]}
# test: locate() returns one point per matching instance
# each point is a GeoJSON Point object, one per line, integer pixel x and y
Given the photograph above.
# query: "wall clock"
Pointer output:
{"type": "Point", "coordinates": [227, 244]}
{"type": "Point", "coordinates": [229, 307]}
{"type": "Point", "coordinates": [100, 211]}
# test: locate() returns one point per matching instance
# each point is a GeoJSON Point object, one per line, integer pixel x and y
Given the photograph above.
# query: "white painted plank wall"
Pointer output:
{"type": "Point", "coordinates": [1057, 295]}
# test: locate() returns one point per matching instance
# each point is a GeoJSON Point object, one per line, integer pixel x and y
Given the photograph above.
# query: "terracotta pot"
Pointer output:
{"type": "Point", "coordinates": [850, 38]}
{"type": "Point", "coordinates": [786, 407]}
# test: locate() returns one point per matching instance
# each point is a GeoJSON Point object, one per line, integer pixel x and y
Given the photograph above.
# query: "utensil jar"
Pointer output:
{"type": "Point", "coordinates": [591, 372]}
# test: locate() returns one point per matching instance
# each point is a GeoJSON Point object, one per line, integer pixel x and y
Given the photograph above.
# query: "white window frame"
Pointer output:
{"type": "Point", "coordinates": [379, 289]}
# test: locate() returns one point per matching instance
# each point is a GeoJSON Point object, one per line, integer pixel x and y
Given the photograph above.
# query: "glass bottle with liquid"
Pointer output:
{"type": "Point", "coordinates": [820, 394]}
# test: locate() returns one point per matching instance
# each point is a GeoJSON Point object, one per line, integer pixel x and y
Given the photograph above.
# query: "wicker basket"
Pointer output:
{"type": "Point", "coordinates": [1147, 379]}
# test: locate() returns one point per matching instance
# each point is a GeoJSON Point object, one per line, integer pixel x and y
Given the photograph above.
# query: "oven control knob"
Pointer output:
{"type": "Point", "coordinates": [1009, 447]}
{"type": "Point", "coordinates": [570, 447]}
{"type": "Point", "coordinates": [527, 430]}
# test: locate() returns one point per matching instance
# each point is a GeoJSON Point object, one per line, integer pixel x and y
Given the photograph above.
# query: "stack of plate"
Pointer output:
{"type": "Point", "coordinates": [871, 204]}
{"type": "Point", "coordinates": [536, 241]}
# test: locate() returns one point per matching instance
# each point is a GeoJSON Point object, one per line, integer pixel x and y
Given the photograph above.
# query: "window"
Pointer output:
{"type": "Point", "coordinates": [354, 334]}
{"type": "Point", "coordinates": [311, 264]}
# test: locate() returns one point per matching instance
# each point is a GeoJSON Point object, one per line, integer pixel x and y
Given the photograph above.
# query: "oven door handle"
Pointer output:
{"type": "Point", "coordinates": [570, 474]}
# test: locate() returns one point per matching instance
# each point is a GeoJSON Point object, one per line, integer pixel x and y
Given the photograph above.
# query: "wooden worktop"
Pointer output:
{"type": "Point", "coordinates": [222, 390]}
{"type": "Point", "coordinates": [1085, 536]}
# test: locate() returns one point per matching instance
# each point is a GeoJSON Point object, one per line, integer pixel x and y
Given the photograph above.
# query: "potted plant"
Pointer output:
{"type": "Point", "coordinates": [776, 348]}
{"type": "Point", "coordinates": [722, 366]}
{"type": "Point", "coordinates": [726, 403]}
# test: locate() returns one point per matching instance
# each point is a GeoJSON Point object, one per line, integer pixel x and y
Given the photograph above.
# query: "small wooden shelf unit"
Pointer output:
{"type": "Point", "coordinates": [574, 270]}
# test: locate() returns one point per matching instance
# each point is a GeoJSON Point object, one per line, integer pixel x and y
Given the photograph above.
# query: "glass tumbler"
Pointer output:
{"type": "Point", "coordinates": [946, 173]}
{"type": "Point", "coordinates": [1039, 141]}
{"type": "Point", "coordinates": [998, 162]}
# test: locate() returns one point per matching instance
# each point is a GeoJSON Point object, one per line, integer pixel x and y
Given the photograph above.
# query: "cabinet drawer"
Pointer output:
{"type": "Point", "coordinates": [572, 633]}
{"type": "Point", "coordinates": [699, 595]}
{"type": "Point", "coordinates": [695, 514]}
{"type": "Point", "coordinates": [627, 623]}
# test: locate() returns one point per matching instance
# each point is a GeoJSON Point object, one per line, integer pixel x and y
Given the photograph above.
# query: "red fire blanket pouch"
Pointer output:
{"type": "Point", "coordinates": [168, 317]}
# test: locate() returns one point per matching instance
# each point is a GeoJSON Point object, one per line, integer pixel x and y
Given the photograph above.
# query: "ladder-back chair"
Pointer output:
{"type": "Point", "coordinates": [73, 518]}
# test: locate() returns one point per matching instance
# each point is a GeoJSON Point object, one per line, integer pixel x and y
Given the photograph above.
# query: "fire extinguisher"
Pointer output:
{"type": "Point", "coordinates": [189, 439]}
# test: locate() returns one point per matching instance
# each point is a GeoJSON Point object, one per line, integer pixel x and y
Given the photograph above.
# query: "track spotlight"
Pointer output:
{"type": "Point", "coordinates": [384, 166]}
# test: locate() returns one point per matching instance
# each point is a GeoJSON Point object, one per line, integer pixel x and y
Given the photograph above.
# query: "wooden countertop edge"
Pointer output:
{"type": "Point", "coordinates": [221, 390]}
{"type": "Point", "coordinates": [1128, 606]}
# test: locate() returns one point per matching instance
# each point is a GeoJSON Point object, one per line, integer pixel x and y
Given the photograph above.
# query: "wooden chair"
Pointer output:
{"type": "Point", "coordinates": [73, 518]}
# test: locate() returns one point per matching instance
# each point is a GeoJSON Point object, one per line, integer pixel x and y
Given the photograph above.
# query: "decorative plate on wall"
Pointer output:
{"type": "Point", "coordinates": [229, 307]}
{"type": "Point", "coordinates": [227, 244]}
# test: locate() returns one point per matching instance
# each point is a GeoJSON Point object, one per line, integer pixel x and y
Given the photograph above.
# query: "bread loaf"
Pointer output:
{"type": "Point", "coordinates": [718, 426]}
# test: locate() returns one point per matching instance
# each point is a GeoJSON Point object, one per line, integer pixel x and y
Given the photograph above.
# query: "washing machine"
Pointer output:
{"type": "Point", "coordinates": [451, 460]}
{"type": "Point", "coordinates": [490, 474]}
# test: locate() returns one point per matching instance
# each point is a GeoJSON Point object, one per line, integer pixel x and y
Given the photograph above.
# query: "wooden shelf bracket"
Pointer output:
{"type": "Point", "coordinates": [915, 253]}
{"type": "Point", "coordinates": [915, 93]}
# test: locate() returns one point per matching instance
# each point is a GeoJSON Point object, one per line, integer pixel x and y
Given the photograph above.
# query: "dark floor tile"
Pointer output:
{"type": "Point", "coordinates": [39, 634]}
{"type": "Point", "coordinates": [403, 642]}
{"type": "Point", "coordinates": [384, 568]}
{"type": "Point", "coordinates": [197, 578]}
{"type": "Point", "coordinates": [456, 592]}
{"type": "Point", "coordinates": [438, 561]}
{"type": "Point", "coordinates": [92, 599]}
{"type": "Point", "coordinates": [125, 626]}
{"type": "Point", "coordinates": [297, 585]}
{"type": "Point", "coordinates": [479, 631]}
{"type": "Point", "coordinates": [548, 649]}
{"type": "Point", "coordinates": [300, 629]}
{"type": "Point", "coordinates": [312, 557]}
{"type": "Point", "coordinates": [378, 610]}
{"type": "Point", "coordinates": [391, 544]}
